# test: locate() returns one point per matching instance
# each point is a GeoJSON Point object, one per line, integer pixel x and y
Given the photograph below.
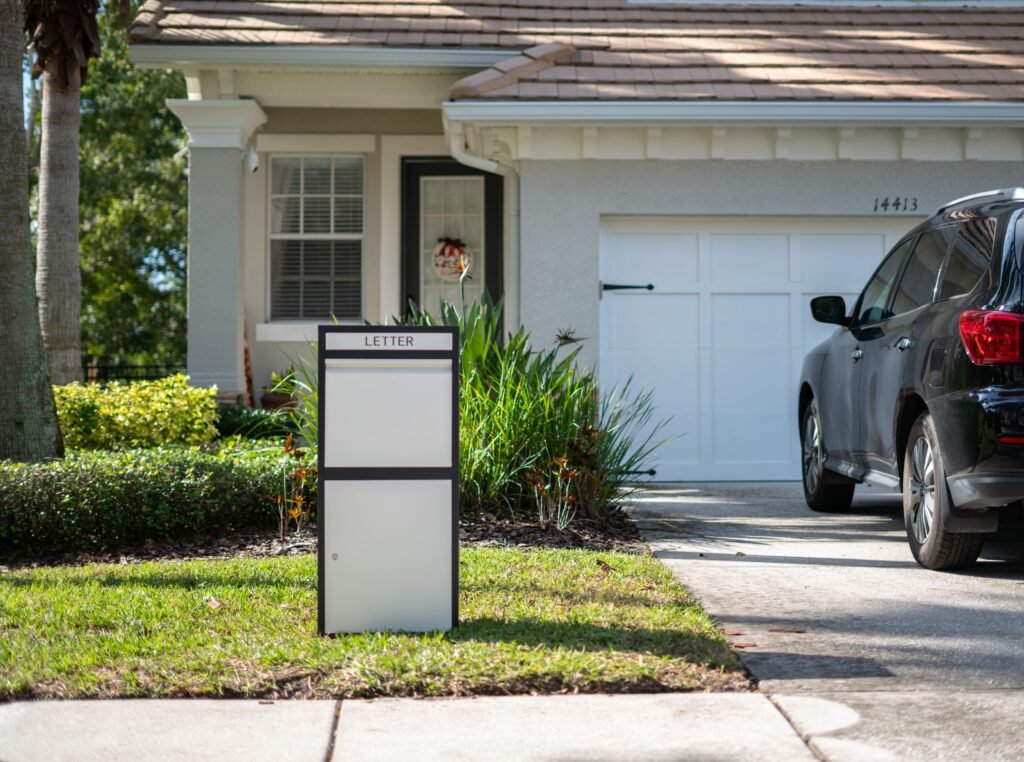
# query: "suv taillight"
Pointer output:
{"type": "Point", "coordinates": [992, 337]}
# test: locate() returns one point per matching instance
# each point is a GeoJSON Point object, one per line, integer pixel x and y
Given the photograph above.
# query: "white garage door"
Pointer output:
{"type": "Point", "coordinates": [721, 338]}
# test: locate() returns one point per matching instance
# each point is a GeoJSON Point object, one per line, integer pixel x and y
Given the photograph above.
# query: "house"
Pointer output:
{"type": "Point", "coordinates": [730, 160]}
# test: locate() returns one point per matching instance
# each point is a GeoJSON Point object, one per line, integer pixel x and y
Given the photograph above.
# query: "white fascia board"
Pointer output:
{"type": "Point", "coordinates": [181, 56]}
{"type": "Point", "coordinates": [735, 112]}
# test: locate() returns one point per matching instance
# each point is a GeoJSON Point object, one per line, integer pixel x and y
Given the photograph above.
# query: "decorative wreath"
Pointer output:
{"type": "Point", "coordinates": [451, 259]}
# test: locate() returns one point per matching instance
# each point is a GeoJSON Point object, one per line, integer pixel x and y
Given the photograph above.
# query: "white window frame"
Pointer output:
{"type": "Point", "coordinates": [283, 326]}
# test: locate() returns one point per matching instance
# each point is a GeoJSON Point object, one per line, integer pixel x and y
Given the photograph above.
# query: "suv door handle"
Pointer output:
{"type": "Point", "coordinates": [904, 344]}
{"type": "Point", "coordinates": [856, 354]}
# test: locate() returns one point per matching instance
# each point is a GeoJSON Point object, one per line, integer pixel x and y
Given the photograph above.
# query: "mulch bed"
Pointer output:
{"type": "Point", "coordinates": [614, 532]}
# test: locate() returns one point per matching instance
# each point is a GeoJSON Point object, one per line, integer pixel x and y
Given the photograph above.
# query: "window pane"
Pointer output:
{"type": "Point", "coordinates": [316, 298]}
{"type": "Point", "coordinates": [968, 261]}
{"type": "Point", "coordinates": [348, 177]}
{"type": "Point", "coordinates": [316, 214]}
{"type": "Point", "coordinates": [317, 177]}
{"type": "Point", "coordinates": [347, 299]}
{"type": "Point", "coordinates": [317, 260]}
{"type": "Point", "coordinates": [284, 176]}
{"type": "Point", "coordinates": [917, 286]}
{"type": "Point", "coordinates": [285, 259]}
{"type": "Point", "coordinates": [872, 303]}
{"type": "Point", "coordinates": [348, 260]}
{"type": "Point", "coordinates": [348, 215]}
{"type": "Point", "coordinates": [284, 215]}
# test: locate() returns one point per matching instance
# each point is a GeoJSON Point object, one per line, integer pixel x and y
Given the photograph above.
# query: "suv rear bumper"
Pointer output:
{"type": "Point", "coordinates": [981, 471]}
{"type": "Point", "coordinates": [989, 490]}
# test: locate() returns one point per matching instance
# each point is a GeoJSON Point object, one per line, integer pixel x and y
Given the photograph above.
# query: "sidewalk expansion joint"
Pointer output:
{"type": "Point", "coordinates": [333, 736]}
{"type": "Point", "coordinates": [811, 746]}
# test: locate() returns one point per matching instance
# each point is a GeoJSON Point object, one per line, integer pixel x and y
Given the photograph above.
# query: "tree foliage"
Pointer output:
{"type": "Point", "coordinates": [133, 209]}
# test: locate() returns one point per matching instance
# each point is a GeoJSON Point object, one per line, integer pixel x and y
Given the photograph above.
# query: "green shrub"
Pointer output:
{"type": "Point", "coordinates": [253, 423]}
{"type": "Point", "coordinates": [102, 500]}
{"type": "Point", "coordinates": [120, 416]}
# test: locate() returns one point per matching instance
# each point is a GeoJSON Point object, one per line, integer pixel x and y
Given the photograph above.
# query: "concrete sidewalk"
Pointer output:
{"type": "Point", "coordinates": [673, 726]}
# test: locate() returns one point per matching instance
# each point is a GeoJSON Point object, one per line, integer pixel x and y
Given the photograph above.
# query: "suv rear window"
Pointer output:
{"type": "Point", "coordinates": [968, 261]}
{"type": "Point", "coordinates": [917, 286]}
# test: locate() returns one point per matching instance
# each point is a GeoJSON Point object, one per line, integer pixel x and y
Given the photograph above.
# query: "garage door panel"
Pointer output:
{"type": "Point", "coordinates": [750, 320]}
{"type": "Point", "coordinates": [763, 257]}
{"type": "Point", "coordinates": [833, 262]}
{"type": "Point", "coordinates": [750, 439]}
{"type": "Point", "coordinates": [670, 261]}
{"type": "Point", "coordinates": [653, 321]}
{"type": "Point", "coordinates": [745, 381]}
{"type": "Point", "coordinates": [674, 396]}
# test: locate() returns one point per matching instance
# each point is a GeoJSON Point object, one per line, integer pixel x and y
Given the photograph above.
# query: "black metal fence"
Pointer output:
{"type": "Point", "coordinates": [99, 373]}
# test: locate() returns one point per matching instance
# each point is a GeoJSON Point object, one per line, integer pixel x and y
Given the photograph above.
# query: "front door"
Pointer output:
{"type": "Point", "coordinates": [451, 222]}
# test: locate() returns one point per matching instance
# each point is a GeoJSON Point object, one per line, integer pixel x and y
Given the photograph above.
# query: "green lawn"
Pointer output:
{"type": "Point", "coordinates": [532, 621]}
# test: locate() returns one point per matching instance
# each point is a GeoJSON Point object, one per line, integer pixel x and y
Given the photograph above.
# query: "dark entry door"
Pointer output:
{"type": "Point", "coordinates": [446, 208]}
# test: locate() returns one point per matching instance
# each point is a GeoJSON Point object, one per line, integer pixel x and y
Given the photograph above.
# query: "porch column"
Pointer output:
{"type": "Point", "coordinates": [219, 132]}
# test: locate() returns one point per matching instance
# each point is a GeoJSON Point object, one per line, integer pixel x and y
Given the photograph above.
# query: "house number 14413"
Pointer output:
{"type": "Point", "coordinates": [897, 204]}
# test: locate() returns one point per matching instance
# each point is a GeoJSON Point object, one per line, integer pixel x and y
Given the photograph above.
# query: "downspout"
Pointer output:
{"type": "Point", "coordinates": [455, 133]}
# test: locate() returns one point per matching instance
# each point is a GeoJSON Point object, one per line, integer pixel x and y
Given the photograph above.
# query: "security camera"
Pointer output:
{"type": "Point", "coordinates": [252, 159]}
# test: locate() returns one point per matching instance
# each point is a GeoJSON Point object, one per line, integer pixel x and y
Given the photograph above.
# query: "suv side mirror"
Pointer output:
{"type": "Point", "coordinates": [829, 309]}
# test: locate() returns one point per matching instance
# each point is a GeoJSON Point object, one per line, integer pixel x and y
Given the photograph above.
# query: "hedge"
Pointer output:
{"type": "Point", "coordinates": [103, 500]}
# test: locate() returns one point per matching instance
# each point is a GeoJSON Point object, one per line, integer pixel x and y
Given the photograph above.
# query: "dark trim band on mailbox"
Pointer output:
{"type": "Point", "coordinates": [389, 354]}
{"type": "Point", "coordinates": [387, 351]}
{"type": "Point", "coordinates": [333, 473]}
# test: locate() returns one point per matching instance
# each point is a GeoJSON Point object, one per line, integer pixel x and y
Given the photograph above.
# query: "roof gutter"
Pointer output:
{"type": "Point", "coordinates": [180, 56]}
{"type": "Point", "coordinates": [951, 113]}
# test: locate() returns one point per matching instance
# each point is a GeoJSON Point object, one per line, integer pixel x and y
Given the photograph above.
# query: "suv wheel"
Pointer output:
{"type": "Point", "coordinates": [820, 494]}
{"type": "Point", "coordinates": [925, 499]}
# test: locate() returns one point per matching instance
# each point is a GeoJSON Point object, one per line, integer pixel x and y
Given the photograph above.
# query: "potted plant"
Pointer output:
{"type": "Point", "coordinates": [279, 392]}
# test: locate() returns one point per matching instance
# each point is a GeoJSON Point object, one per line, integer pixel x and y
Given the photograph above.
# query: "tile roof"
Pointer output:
{"type": "Point", "coordinates": [615, 50]}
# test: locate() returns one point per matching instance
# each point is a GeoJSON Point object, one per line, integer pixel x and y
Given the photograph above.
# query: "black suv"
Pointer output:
{"type": "Point", "coordinates": [922, 386]}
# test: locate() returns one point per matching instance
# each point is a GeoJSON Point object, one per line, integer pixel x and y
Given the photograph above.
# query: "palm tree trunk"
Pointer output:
{"type": "Point", "coordinates": [58, 273]}
{"type": "Point", "coordinates": [28, 419]}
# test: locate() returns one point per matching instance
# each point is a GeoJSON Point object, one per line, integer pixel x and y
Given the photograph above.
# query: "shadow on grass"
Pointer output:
{"type": "Point", "coordinates": [696, 647]}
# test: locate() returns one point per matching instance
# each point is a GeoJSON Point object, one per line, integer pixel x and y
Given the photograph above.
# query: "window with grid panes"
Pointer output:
{"type": "Point", "coordinates": [316, 237]}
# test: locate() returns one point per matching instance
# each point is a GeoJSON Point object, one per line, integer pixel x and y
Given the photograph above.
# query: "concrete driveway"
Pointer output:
{"type": "Point", "coordinates": [870, 656]}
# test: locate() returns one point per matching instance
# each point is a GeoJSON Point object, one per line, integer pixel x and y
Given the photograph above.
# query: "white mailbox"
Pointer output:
{"type": "Point", "coordinates": [388, 487]}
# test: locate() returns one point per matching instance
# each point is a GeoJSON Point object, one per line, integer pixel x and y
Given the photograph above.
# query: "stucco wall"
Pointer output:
{"type": "Point", "coordinates": [563, 202]}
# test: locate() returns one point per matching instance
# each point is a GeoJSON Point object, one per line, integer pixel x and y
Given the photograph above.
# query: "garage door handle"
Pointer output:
{"type": "Point", "coordinates": [624, 287]}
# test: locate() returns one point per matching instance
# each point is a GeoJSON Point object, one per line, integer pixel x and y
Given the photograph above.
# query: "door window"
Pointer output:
{"type": "Point", "coordinates": [917, 286]}
{"type": "Point", "coordinates": [969, 258]}
{"type": "Point", "coordinates": [873, 304]}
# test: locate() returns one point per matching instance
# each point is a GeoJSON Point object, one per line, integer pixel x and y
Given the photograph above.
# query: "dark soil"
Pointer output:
{"type": "Point", "coordinates": [615, 532]}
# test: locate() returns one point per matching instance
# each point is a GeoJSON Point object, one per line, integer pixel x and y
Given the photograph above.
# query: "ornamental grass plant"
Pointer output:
{"type": "Point", "coordinates": [537, 434]}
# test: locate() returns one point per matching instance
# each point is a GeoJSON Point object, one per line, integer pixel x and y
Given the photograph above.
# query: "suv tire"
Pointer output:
{"type": "Point", "coordinates": [820, 494]}
{"type": "Point", "coordinates": [926, 499]}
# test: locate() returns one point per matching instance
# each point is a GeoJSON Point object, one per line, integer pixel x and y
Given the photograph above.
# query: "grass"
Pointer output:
{"type": "Point", "coordinates": [532, 621]}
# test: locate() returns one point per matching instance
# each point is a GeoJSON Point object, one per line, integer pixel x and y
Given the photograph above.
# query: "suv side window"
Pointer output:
{"type": "Point", "coordinates": [917, 286]}
{"type": "Point", "coordinates": [969, 258]}
{"type": "Point", "coordinates": [872, 305]}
